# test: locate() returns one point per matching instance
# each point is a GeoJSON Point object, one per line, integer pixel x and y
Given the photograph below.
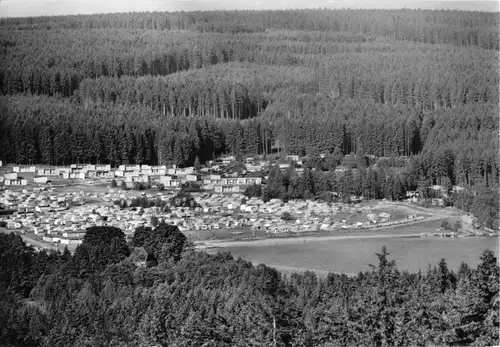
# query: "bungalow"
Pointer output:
{"type": "Point", "coordinates": [74, 175]}
{"type": "Point", "coordinates": [129, 179]}
{"type": "Point", "coordinates": [70, 240]}
{"type": "Point", "coordinates": [16, 182]}
{"type": "Point", "coordinates": [104, 168]}
{"type": "Point", "coordinates": [105, 174]}
{"type": "Point", "coordinates": [25, 209]}
{"type": "Point", "coordinates": [158, 171]}
{"type": "Point", "coordinates": [172, 183]}
{"type": "Point", "coordinates": [191, 178]}
{"type": "Point", "coordinates": [127, 173]}
{"type": "Point", "coordinates": [62, 170]}
{"type": "Point", "coordinates": [74, 234]}
{"type": "Point", "coordinates": [411, 193]}
{"type": "Point", "coordinates": [11, 176]}
{"type": "Point", "coordinates": [88, 168]}
{"type": "Point", "coordinates": [253, 180]}
{"type": "Point", "coordinates": [186, 171]}
{"type": "Point", "coordinates": [29, 169]}
{"type": "Point", "coordinates": [252, 168]}
{"type": "Point", "coordinates": [47, 172]}
{"type": "Point", "coordinates": [141, 179]}
{"type": "Point", "coordinates": [42, 209]}
{"type": "Point", "coordinates": [40, 179]}
{"type": "Point", "coordinates": [280, 229]}
{"type": "Point", "coordinates": [227, 189]}
{"type": "Point", "coordinates": [437, 202]}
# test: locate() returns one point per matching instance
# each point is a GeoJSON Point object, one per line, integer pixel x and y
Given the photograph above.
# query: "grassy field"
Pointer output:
{"type": "Point", "coordinates": [245, 234]}
{"type": "Point", "coordinates": [353, 255]}
{"type": "Point", "coordinates": [352, 251]}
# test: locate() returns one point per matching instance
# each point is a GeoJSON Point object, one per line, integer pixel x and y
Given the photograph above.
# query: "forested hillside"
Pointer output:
{"type": "Point", "coordinates": [163, 88]}
{"type": "Point", "coordinates": [106, 295]}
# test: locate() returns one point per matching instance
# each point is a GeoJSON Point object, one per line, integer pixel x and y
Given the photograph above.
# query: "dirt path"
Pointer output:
{"type": "Point", "coordinates": [296, 240]}
{"type": "Point", "coordinates": [32, 240]}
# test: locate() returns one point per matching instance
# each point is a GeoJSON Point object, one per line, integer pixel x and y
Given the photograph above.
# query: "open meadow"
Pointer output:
{"type": "Point", "coordinates": [351, 251]}
{"type": "Point", "coordinates": [355, 254]}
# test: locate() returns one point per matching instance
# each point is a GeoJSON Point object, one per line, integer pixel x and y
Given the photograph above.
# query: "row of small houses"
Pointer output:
{"type": "Point", "coordinates": [12, 179]}
{"type": "Point", "coordinates": [170, 178]}
{"type": "Point", "coordinates": [75, 237]}
{"type": "Point", "coordinates": [104, 170]}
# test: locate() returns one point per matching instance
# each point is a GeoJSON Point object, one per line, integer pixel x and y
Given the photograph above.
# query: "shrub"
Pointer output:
{"type": "Point", "coordinates": [254, 190]}
{"type": "Point", "coordinates": [446, 225]}
{"type": "Point", "coordinates": [426, 204]}
{"type": "Point", "coordinates": [286, 216]}
{"type": "Point", "coordinates": [191, 187]}
{"type": "Point", "coordinates": [154, 221]}
{"type": "Point", "coordinates": [140, 186]}
{"type": "Point", "coordinates": [160, 186]}
{"type": "Point", "coordinates": [123, 186]}
{"type": "Point", "coordinates": [114, 184]}
{"type": "Point", "coordinates": [183, 199]}
{"type": "Point", "coordinates": [326, 197]}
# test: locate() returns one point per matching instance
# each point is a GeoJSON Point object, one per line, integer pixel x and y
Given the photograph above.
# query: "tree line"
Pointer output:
{"type": "Point", "coordinates": [429, 76]}
{"type": "Point", "coordinates": [175, 88]}
{"type": "Point", "coordinates": [320, 180]}
{"type": "Point", "coordinates": [156, 290]}
{"type": "Point", "coordinates": [437, 27]}
{"type": "Point", "coordinates": [456, 146]}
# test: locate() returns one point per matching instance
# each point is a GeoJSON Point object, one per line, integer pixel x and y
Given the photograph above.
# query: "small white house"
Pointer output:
{"type": "Point", "coordinates": [40, 179]}
{"type": "Point", "coordinates": [16, 182]}
{"type": "Point", "coordinates": [191, 178]}
{"type": "Point", "coordinates": [11, 176]}
{"type": "Point", "coordinates": [70, 241]}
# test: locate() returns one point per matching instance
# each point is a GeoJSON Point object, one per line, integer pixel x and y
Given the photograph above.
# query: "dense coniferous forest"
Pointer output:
{"type": "Point", "coordinates": [156, 291]}
{"type": "Point", "coordinates": [408, 89]}
{"type": "Point", "coordinates": [167, 88]}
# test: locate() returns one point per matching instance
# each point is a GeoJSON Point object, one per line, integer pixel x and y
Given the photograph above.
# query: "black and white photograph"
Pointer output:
{"type": "Point", "coordinates": [229, 173]}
